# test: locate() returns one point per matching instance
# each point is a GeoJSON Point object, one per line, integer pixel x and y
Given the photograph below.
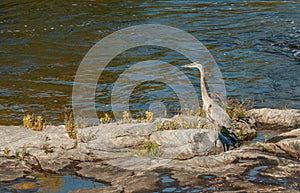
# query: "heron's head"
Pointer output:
{"type": "Point", "coordinates": [193, 65]}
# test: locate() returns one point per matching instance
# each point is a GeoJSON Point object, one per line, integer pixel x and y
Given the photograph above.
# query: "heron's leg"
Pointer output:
{"type": "Point", "coordinates": [215, 148]}
{"type": "Point", "coordinates": [224, 147]}
{"type": "Point", "coordinates": [216, 140]}
{"type": "Point", "coordinates": [216, 136]}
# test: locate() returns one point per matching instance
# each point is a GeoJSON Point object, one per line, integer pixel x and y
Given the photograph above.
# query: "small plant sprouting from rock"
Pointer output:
{"type": "Point", "coordinates": [27, 121]}
{"type": "Point", "coordinates": [17, 155]}
{"type": "Point", "coordinates": [24, 152]}
{"type": "Point", "coordinates": [34, 123]}
{"type": "Point", "coordinates": [126, 117]}
{"type": "Point", "coordinates": [150, 148]}
{"type": "Point", "coordinates": [139, 119]}
{"type": "Point", "coordinates": [47, 148]}
{"type": "Point", "coordinates": [6, 151]}
{"type": "Point", "coordinates": [106, 119]}
{"type": "Point", "coordinates": [158, 125]}
{"type": "Point", "coordinates": [285, 107]}
{"type": "Point", "coordinates": [177, 123]}
{"type": "Point", "coordinates": [149, 116]}
{"type": "Point", "coordinates": [240, 135]}
{"type": "Point", "coordinates": [265, 138]}
{"type": "Point", "coordinates": [70, 124]}
{"type": "Point", "coordinates": [169, 126]}
{"type": "Point", "coordinates": [38, 124]}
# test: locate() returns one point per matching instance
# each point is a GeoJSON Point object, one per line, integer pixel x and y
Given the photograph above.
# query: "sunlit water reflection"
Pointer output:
{"type": "Point", "coordinates": [49, 184]}
{"type": "Point", "coordinates": [255, 44]}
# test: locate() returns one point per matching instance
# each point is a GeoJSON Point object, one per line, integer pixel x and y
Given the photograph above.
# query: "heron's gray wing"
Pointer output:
{"type": "Point", "coordinates": [220, 116]}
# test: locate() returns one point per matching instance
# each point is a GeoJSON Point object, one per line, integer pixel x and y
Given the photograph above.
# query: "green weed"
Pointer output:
{"type": "Point", "coordinates": [240, 135]}
{"type": "Point", "coordinates": [47, 148]}
{"type": "Point", "coordinates": [6, 151]}
{"type": "Point", "coordinates": [24, 152]}
{"type": "Point", "coordinates": [17, 155]}
{"type": "Point", "coordinates": [285, 107]}
{"type": "Point", "coordinates": [150, 148]}
{"type": "Point", "coordinates": [237, 109]}
{"type": "Point", "coordinates": [147, 149]}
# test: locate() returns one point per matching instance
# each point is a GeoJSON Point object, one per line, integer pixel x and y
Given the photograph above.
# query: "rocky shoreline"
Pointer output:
{"type": "Point", "coordinates": [137, 157]}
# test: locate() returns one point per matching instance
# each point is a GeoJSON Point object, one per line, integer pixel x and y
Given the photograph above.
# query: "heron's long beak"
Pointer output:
{"type": "Point", "coordinates": [191, 65]}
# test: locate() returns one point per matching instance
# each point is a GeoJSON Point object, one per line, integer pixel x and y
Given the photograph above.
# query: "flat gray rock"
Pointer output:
{"type": "Point", "coordinates": [138, 163]}
{"type": "Point", "coordinates": [11, 169]}
{"type": "Point", "coordinates": [113, 153]}
{"type": "Point", "coordinates": [114, 137]}
{"type": "Point", "coordinates": [184, 143]}
{"type": "Point", "coordinates": [102, 189]}
{"type": "Point", "coordinates": [101, 171]}
{"type": "Point", "coordinates": [276, 118]}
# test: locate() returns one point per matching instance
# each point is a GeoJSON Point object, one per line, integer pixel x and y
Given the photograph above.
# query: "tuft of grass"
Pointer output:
{"type": "Point", "coordinates": [179, 123]}
{"type": "Point", "coordinates": [147, 149]}
{"type": "Point", "coordinates": [106, 119]}
{"type": "Point", "coordinates": [47, 148]}
{"type": "Point", "coordinates": [27, 121]}
{"type": "Point", "coordinates": [70, 125]}
{"type": "Point", "coordinates": [24, 152]}
{"type": "Point", "coordinates": [285, 107]}
{"type": "Point", "coordinates": [139, 119]}
{"type": "Point", "coordinates": [237, 109]}
{"type": "Point", "coordinates": [38, 124]}
{"type": "Point", "coordinates": [240, 135]}
{"type": "Point", "coordinates": [169, 126]}
{"type": "Point", "coordinates": [126, 117]}
{"type": "Point", "coordinates": [265, 138]}
{"type": "Point", "coordinates": [6, 151]}
{"type": "Point", "coordinates": [33, 122]}
{"type": "Point", "coordinates": [150, 148]}
{"type": "Point", "coordinates": [17, 155]}
{"type": "Point", "coordinates": [149, 116]}
{"type": "Point", "coordinates": [158, 125]}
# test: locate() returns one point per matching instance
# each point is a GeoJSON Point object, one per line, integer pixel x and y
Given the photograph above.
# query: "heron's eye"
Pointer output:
{"type": "Point", "coordinates": [209, 106]}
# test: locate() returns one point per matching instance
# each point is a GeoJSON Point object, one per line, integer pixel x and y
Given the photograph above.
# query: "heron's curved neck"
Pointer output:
{"type": "Point", "coordinates": [205, 96]}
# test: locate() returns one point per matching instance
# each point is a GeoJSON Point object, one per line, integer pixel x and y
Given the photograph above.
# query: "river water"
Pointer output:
{"type": "Point", "coordinates": [256, 45]}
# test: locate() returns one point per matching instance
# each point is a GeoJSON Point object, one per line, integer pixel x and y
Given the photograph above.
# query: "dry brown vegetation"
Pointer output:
{"type": "Point", "coordinates": [70, 124]}
{"type": "Point", "coordinates": [36, 123]}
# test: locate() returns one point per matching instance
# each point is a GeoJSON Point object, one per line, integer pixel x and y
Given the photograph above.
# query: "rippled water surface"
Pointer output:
{"type": "Point", "coordinates": [256, 45]}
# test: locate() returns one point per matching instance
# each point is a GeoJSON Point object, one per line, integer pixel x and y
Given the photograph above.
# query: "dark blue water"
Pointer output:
{"type": "Point", "coordinates": [256, 45]}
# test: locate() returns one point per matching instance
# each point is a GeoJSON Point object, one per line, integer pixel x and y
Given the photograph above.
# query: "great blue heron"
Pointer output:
{"type": "Point", "coordinates": [216, 114]}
